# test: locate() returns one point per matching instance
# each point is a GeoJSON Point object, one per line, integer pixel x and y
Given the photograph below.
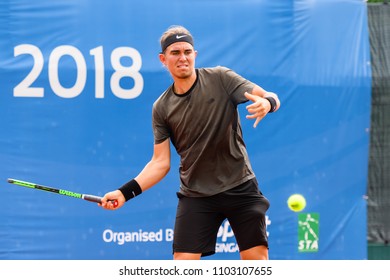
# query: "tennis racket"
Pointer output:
{"type": "Point", "coordinates": [87, 197]}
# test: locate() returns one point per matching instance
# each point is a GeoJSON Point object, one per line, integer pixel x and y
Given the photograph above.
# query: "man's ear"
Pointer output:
{"type": "Point", "coordinates": [161, 56]}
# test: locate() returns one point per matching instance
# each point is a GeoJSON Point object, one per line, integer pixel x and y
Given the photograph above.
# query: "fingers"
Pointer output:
{"type": "Point", "coordinates": [250, 96]}
{"type": "Point", "coordinates": [112, 200]}
{"type": "Point", "coordinates": [256, 122]}
{"type": "Point", "coordinates": [257, 116]}
{"type": "Point", "coordinates": [258, 109]}
{"type": "Point", "coordinates": [110, 204]}
{"type": "Point", "coordinates": [258, 119]}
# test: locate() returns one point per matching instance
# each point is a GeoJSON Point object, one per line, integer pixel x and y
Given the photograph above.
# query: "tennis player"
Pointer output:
{"type": "Point", "coordinates": [198, 114]}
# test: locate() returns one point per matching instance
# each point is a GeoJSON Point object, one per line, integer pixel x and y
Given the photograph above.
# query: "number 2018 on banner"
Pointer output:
{"type": "Point", "coordinates": [25, 88]}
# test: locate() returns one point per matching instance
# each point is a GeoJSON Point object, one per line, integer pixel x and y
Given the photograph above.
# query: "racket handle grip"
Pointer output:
{"type": "Point", "coordinates": [98, 199]}
{"type": "Point", "coordinates": [92, 198]}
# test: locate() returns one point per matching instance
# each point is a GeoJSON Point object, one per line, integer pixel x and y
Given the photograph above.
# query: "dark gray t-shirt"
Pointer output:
{"type": "Point", "coordinates": [204, 127]}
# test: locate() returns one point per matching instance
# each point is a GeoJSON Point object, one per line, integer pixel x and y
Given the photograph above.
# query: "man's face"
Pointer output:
{"type": "Point", "coordinates": [179, 58]}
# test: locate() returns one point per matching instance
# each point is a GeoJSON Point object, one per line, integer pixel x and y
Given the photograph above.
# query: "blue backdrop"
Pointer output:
{"type": "Point", "coordinates": [77, 83]}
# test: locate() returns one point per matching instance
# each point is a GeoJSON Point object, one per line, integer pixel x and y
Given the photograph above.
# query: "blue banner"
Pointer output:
{"type": "Point", "coordinates": [77, 83]}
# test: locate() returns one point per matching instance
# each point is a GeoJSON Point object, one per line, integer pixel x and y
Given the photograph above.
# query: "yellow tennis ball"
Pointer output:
{"type": "Point", "coordinates": [296, 202]}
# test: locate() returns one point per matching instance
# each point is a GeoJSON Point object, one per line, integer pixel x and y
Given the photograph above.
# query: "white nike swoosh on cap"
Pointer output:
{"type": "Point", "coordinates": [181, 36]}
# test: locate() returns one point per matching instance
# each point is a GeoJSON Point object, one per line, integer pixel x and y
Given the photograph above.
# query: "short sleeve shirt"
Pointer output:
{"type": "Point", "coordinates": [204, 127]}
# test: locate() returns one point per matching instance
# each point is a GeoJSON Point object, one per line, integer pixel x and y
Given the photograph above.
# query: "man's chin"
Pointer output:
{"type": "Point", "coordinates": [183, 75]}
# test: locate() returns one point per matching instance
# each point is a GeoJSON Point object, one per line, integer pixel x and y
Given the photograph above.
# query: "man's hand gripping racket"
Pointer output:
{"type": "Point", "coordinates": [116, 196]}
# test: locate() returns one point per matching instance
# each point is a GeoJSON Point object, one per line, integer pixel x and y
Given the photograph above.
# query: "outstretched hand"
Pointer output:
{"type": "Point", "coordinates": [258, 109]}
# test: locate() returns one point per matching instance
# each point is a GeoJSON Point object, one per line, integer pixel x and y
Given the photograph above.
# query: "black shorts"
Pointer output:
{"type": "Point", "coordinates": [198, 219]}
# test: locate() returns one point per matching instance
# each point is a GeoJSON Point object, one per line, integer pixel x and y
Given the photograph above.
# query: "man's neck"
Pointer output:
{"type": "Point", "coordinates": [181, 86]}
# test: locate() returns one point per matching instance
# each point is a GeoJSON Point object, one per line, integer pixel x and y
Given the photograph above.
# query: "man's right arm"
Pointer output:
{"type": "Point", "coordinates": [153, 172]}
{"type": "Point", "coordinates": [157, 167]}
